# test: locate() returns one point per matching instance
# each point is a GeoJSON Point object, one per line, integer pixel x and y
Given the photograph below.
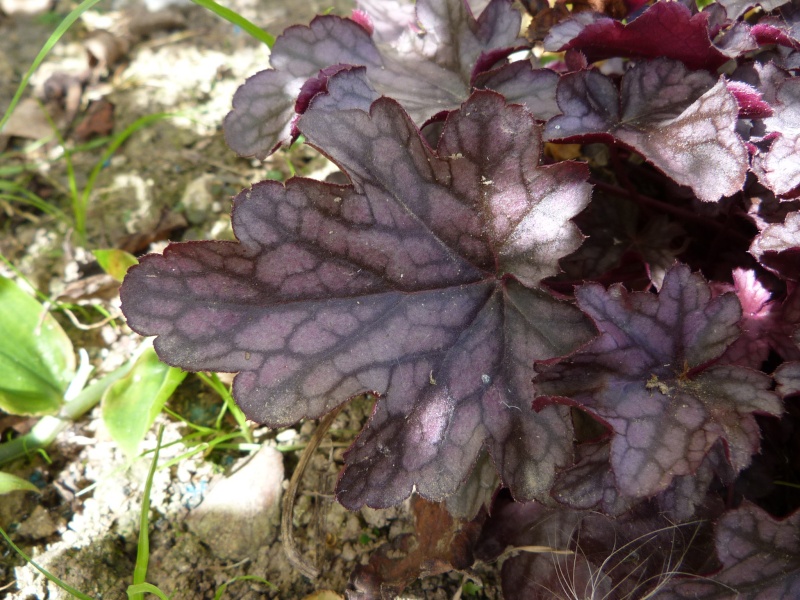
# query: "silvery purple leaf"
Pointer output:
{"type": "Point", "coordinates": [760, 557]}
{"type": "Point", "coordinates": [427, 70]}
{"type": "Point", "coordinates": [417, 282]}
{"type": "Point", "coordinates": [679, 120]}
{"type": "Point", "coordinates": [788, 378]}
{"type": "Point", "coordinates": [779, 168]}
{"type": "Point", "coordinates": [650, 377]}
{"type": "Point", "coordinates": [777, 247]}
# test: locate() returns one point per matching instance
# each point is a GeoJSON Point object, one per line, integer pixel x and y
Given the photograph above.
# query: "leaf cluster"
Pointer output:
{"type": "Point", "coordinates": [568, 260]}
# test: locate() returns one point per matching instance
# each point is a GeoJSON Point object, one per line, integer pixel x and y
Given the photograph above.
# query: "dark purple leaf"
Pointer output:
{"type": "Point", "coordinates": [590, 485]}
{"type": "Point", "coordinates": [665, 29]}
{"type": "Point", "coordinates": [737, 40]}
{"type": "Point", "coordinates": [574, 554]}
{"type": "Point", "coordinates": [760, 557]}
{"type": "Point", "coordinates": [544, 534]}
{"type": "Point", "coordinates": [778, 247]}
{"type": "Point", "coordinates": [427, 71]}
{"type": "Point", "coordinates": [649, 377]}
{"type": "Point", "coordinates": [678, 120]}
{"type": "Point", "coordinates": [416, 282]}
{"type": "Point", "coordinates": [736, 8]}
{"type": "Point", "coordinates": [779, 168]}
{"type": "Point", "coordinates": [519, 82]}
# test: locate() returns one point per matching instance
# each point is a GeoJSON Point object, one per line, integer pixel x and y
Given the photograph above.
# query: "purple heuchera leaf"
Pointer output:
{"type": "Point", "coordinates": [779, 169]}
{"type": "Point", "coordinates": [416, 282]}
{"type": "Point", "coordinates": [760, 557]}
{"type": "Point", "coordinates": [736, 8]}
{"type": "Point", "coordinates": [665, 29]}
{"type": "Point", "coordinates": [590, 485]}
{"type": "Point", "coordinates": [788, 378]}
{"type": "Point", "coordinates": [649, 376]}
{"type": "Point", "coordinates": [777, 247]}
{"type": "Point", "coordinates": [427, 73]}
{"type": "Point", "coordinates": [520, 83]}
{"type": "Point", "coordinates": [678, 120]}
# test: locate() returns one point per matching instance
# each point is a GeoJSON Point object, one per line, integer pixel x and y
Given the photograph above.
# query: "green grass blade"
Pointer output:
{"type": "Point", "coordinates": [226, 13]}
{"type": "Point", "coordinates": [213, 381]}
{"type": "Point", "coordinates": [51, 41]}
{"type": "Point", "coordinates": [67, 588]}
{"type": "Point", "coordinates": [143, 548]}
{"type": "Point", "coordinates": [81, 205]}
{"type": "Point", "coordinates": [140, 589]}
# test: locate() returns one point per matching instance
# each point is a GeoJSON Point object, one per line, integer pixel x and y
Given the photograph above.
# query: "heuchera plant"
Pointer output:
{"type": "Point", "coordinates": [566, 265]}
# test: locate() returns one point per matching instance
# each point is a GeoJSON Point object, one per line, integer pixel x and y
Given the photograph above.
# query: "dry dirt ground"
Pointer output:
{"type": "Point", "coordinates": [172, 179]}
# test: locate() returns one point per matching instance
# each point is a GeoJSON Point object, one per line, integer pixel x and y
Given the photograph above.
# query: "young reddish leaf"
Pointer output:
{"type": "Point", "coordinates": [416, 282]}
{"type": "Point", "coordinates": [678, 120]}
{"type": "Point", "coordinates": [780, 169]}
{"type": "Point", "coordinates": [751, 104]}
{"type": "Point", "coordinates": [765, 324]}
{"type": "Point", "coordinates": [649, 377]}
{"type": "Point", "coordinates": [665, 29]}
{"type": "Point", "coordinates": [430, 71]}
{"type": "Point", "coordinates": [760, 557]}
{"type": "Point", "coordinates": [777, 247]}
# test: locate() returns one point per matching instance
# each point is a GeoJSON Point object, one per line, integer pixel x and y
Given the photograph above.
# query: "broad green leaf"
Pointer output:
{"type": "Point", "coordinates": [131, 404]}
{"type": "Point", "coordinates": [12, 483]}
{"type": "Point", "coordinates": [115, 262]}
{"type": "Point", "coordinates": [37, 361]}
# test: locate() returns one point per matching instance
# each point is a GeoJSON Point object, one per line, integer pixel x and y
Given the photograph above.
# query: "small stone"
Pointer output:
{"type": "Point", "coordinates": [241, 512]}
{"type": "Point", "coordinates": [198, 200]}
{"type": "Point", "coordinates": [38, 526]}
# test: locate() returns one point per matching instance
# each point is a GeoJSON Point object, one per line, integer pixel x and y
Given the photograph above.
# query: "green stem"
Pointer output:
{"type": "Point", "coordinates": [143, 547]}
{"type": "Point", "coordinates": [238, 20]}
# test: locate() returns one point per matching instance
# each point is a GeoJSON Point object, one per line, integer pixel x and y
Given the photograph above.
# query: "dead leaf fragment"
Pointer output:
{"type": "Point", "coordinates": [440, 544]}
{"type": "Point", "coordinates": [99, 121]}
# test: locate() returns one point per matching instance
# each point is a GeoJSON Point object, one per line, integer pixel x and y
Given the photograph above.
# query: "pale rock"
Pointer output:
{"type": "Point", "coordinates": [241, 512]}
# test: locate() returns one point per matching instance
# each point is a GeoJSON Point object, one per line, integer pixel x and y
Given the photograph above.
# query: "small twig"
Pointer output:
{"type": "Point", "coordinates": [298, 561]}
{"type": "Point", "coordinates": [91, 326]}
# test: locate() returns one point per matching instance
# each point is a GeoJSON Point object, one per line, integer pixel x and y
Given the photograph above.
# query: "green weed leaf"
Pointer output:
{"type": "Point", "coordinates": [115, 262]}
{"type": "Point", "coordinates": [12, 483]}
{"type": "Point", "coordinates": [36, 356]}
{"type": "Point", "coordinates": [131, 404]}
